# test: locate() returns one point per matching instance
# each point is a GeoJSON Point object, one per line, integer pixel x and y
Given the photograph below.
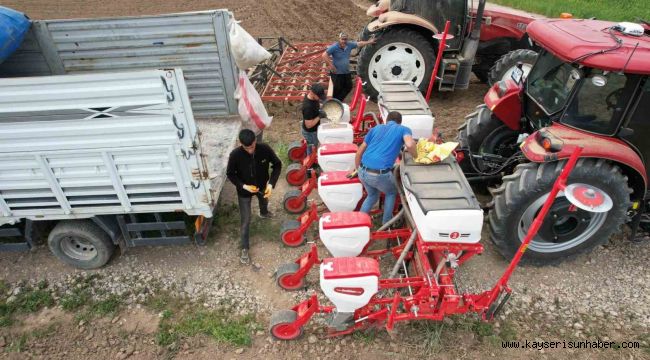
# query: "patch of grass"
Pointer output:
{"type": "Point", "coordinates": [18, 344]}
{"type": "Point", "coordinates": [28, 300]}
{"type": "Point", "coordinates": [430, 335]}
{"type": "Point", "coordinates": [281, 149]}
{"type": "Point", "coordinates": [78, 298]}
{"type": "Point", "coordinates": [265, 228]}
{"type": "Point", "coordinates": [107, 306]}
{"type": "Point", "coordinates": [227, 217]}
{"type": "Point", "coordinates": [215, 324]}
{"type": "Point", "coordinates": [45, 331]}
{"type": "Point", "coordinates": [628, 10]}
{"type": "Point", "coordinates": [368, 336]}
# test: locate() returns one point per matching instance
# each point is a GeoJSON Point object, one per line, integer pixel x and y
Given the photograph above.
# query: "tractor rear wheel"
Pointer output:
{"type": "Point", "coordinates": [282, 327]}
{"type": "Point", "coordinates": [293, 202]}
{"type": "Point", "coordinates": [503, 68]}
{"type": "Point", "coordinates": [399, 54]}
{"type": "Point", "coordinates": [484, 133]}
{"type": "Point", "coordinates": [567, 230]}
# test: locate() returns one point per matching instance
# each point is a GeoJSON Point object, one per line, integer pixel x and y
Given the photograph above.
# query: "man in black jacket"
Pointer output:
{"type": "Point", "coordinates": [248, 170]}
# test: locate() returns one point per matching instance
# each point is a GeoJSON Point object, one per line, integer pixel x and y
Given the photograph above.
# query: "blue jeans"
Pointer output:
{"type": "Point", "coordinates": [311, 138]}
{"type": "Point", "coordinates": [376, 184]}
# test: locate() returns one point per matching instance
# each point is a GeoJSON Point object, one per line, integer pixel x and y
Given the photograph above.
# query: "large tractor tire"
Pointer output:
{"type": "Point", "coordinates": [503, 68]}
{"type": "Point", "coordinates": [566, 230]}
{"type": "Point", "coordinates": [484, 133]}
{"type": "Point", "coordinates": [81, 244]}
{"type": "Point", "coordinates": [398, 54]}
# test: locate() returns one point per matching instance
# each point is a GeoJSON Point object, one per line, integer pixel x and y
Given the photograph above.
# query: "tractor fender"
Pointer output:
{"type": "Point", "coordinates": [594, 146]}
{"type": "Point", "coordinates": [379, 8]}
{"type": "Point", "coordinates": [391, 18]}
{"type": "Point", "coordinates": [504, 100]}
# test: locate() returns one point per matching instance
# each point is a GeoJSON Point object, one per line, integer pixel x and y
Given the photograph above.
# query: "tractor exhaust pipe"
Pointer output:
{"type": "Point", "coordinates": [468, 54]}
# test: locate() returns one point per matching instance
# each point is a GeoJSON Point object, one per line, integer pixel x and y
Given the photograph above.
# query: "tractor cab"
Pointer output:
{"type": "Point", "coordinates": [588, 88]}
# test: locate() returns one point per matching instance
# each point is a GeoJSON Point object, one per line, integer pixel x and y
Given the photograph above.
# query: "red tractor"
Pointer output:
{"type": "Point", "coordinates": [589, 87]}
{"type": "Point", "coordinates": [406, 43]}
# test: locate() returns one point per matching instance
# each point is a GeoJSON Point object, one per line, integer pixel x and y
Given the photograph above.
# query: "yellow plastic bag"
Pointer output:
{"type": "Point", "coordinates": [430, 152]}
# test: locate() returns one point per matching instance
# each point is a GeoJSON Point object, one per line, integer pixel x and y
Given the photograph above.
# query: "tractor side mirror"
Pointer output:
{"type": "Point", "coordinates": [625, 132]}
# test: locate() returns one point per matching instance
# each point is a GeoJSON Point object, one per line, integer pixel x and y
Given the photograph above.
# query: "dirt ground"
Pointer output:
{"type": "Point", "coordinates": [580, 283]}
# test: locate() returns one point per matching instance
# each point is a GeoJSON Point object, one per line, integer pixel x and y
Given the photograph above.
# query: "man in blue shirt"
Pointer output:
{"type": "Point", "coordinates": [376, 157]}
{"type": "Point", "coordinates": [337, 57]}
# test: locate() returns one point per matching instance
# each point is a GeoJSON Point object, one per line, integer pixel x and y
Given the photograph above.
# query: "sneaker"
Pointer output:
{"type": "Point", "coordinates": [268, 215]}
{"type": "Point", "coordinates": [244, 258]}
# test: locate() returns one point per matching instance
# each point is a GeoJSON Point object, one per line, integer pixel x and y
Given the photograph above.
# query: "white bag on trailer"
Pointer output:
{"type": "Point", "coordinates": [246, 51]}
{"type": "Point", "coordinates": [250, 105]}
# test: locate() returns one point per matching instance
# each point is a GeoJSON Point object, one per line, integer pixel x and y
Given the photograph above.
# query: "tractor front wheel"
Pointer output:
{"type": "Point", "coordinates": [484, 133]}
{"type": "Point", "coordinates": [503, 68]}
{"type": "Point", "coordinates": [566, 230]}
{"type": "Point", "coordinates": [282, 327]}
{"type": "Point", "coordinates": [293, 202]}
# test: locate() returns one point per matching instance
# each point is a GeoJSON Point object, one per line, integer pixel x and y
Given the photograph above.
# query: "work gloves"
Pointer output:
{"type": "Point", "coordinates": [254, 189]}
{"type": "Point", "coordinates": [353, 174]}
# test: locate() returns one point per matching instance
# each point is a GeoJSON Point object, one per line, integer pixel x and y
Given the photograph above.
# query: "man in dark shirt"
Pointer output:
{"type": "Point", "coordinates": [311, 115]}
{"type": "Point", "coordinates": [248, 170]}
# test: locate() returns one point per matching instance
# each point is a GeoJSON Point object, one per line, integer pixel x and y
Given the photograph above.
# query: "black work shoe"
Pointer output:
{"type": "Point", "coordinates": [244, 258]}
{"type": "Point", "coordinates": [268, 215]}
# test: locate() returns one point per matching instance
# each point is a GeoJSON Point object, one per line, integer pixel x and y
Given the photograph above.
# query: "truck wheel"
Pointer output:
{"type": "Point", "coordinates": [81, 244]}
{"type": "Point", "coordinates": [484, 133]}
{"type": "Point", "coordinates": [282, 277]}
{"type": "Point", "coordinates": [398, 54]}
{"type": "Point", "coordinates": [295, 175]}
{"type": "Point", "coordinates": [282, 327]}
{"type": "Point", "coordinates": [502, 69]}
{"type": "Point", "coordinates": [290, 235]}
{"type": "Point", "coordinates": [566, 230]}
{"type": "Point", "coordinates": [293, 202]}
{"type": "Point", "coordinates": [297, 151]}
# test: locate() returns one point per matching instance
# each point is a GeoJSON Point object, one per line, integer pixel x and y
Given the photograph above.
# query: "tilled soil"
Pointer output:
{"type": "Point", "coordinates": [297, 20]}
{"type": "Point", "coordinates": [602, 295]}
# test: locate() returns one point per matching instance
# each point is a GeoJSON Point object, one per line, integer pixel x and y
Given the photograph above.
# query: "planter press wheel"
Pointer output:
{"type": "Point", "coordinates": [297, 151]}
{"type": "Point", "coordinates": [296, 175]}
{"type": "Point", "coordinates": [290, 236]}
{"type": "Point", "coordinates": [283, 277]}
{"type": "Point", "coordinates": [282, 327]}
{"type": "Point", "coordinates": [293, 202]}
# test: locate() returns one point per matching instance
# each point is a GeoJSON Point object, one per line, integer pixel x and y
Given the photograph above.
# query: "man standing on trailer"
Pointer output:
{"type": "Point", "coordinates": [248, 170]}
{"type": "Point", "coordinates": [311, 115]}
{"type": "Point", "coordinates": [375, 159]}
{"type": "Point", "coordinates": [337, 56]}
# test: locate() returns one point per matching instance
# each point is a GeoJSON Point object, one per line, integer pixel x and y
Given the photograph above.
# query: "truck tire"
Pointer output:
{"type": "Point", "coordinates": [502, 69]}
{"type": "Point", "coordinates": [484, 133]}
{"type": "Point", "coordinates": [81, 244]}
{"type": "Point", "coordinates": [566, 231]}
{"type": "Point", "coordinates": [398, 54]}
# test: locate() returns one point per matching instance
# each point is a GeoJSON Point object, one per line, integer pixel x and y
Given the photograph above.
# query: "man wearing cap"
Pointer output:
{"type": "Point", "coordinates": [311, 114]}
{"type": "Point", "coordinates": [337, 57]}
